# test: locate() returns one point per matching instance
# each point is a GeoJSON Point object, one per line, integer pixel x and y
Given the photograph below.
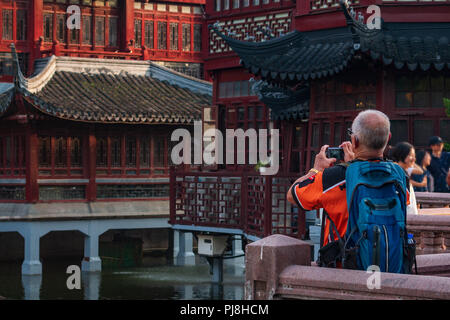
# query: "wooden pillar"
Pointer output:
{"type": "Point", "coordinates": [128, 26]}
{"type": "Point", "coordinates": [303, 7]}
{"type": "Point", "coordinates": [36, 17]}
{"type": "Point", "coordinates": [32, 145]}
{"type": "Point", "coordinates": [92, 145]}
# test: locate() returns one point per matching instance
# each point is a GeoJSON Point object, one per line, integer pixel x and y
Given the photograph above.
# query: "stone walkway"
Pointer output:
{"type": "Point", "coordinates": [82, 211]}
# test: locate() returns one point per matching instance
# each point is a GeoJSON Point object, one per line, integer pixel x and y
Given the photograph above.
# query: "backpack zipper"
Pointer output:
{"type": "Point", "coordinates": [387, 248]}
{"type": "Point", "coordinates": [376, 246]}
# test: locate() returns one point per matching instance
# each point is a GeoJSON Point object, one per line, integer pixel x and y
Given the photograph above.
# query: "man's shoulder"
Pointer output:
{"type": "Point", "coordinates": [333, 175]}
{"type": "Point", "coordinates": [447, 155]}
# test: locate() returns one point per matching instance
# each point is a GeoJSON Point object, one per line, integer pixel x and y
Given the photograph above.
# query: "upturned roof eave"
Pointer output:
{"type": "Point", "coordinates": [31, 88]}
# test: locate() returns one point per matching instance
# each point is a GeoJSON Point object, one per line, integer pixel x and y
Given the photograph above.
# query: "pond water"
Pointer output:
{"type": "Point", "coordinates": [157, 278]}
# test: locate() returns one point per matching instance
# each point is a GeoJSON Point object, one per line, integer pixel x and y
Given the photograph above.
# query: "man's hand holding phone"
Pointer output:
{"type": "Point", "coordinates": [321, 162]}
{"type": "Point", "coordinates": [349, 154]}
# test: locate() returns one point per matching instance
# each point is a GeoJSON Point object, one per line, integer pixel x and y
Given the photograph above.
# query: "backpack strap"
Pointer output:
{"type": "Point", "coordinates": [332, 226]}
{"type": "Point", "coordinates": [322, 227]}
{"type": "Point", "coordinates": [344, 164]}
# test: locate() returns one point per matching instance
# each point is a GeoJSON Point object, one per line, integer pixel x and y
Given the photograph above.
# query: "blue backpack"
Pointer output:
{"type": "Point", "coordinates": [376, 230]}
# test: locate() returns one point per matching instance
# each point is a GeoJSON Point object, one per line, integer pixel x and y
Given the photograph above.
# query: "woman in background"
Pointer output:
{"type": "Point", "coordinates": [404, 155]}
{"type": "Point", "coordinates": [422, 182]}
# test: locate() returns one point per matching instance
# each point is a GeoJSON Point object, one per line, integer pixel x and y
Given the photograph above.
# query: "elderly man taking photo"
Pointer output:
{"type": "Point", "coordinates": [372, 190]}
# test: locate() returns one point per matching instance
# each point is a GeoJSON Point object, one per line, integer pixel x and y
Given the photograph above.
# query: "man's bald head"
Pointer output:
{"type": "Point", "coordinates": [372, 128]}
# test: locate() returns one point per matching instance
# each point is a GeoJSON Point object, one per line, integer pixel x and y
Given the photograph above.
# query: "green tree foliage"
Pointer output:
{"type": "Point", "coordinates": [447, 106]}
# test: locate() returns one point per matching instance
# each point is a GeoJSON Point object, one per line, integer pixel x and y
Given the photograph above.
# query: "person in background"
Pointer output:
{"type": "Point", "coordinates": [439, 166]}
{"type": "Point", "coordinates": [448, 178]}
{"type": "Point", "coordinates": [405, 156]}
{"type": "Point", "coordinates": [422, 182]}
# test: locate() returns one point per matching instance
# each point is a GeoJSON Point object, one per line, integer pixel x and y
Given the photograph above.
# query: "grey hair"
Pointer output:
{"type": "Point", "coordinates": [372, 128]}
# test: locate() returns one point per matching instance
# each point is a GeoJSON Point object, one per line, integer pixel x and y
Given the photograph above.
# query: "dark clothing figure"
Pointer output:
{"type": "Point", "coordinates": [439, 169]}
{"type": "Point", "coordinates": [419, 178]}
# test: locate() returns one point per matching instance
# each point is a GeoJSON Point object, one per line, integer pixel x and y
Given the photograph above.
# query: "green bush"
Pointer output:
{"type": "Point", "coordinates": [447, 147]}
{"type": "Point", "coordinates": [447, 106]}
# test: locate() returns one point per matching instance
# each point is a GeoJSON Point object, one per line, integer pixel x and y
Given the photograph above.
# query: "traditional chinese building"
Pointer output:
{"type": "Point", "coordinates": [80, 128]}
{"type": "Point", "coordinates": [82, 141]}
{"type": "Point", "coordinates": [307, 68]}
{"type": "Point", "coordinates": [90, 92]}
{"type": "Point", "coordinates": [60, 82]}
{"type": "Point", "coordinates": [167, 32]}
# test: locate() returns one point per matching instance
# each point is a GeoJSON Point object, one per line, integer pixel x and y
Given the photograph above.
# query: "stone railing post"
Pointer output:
{"type": "Point", "coordinates": [265, 259]}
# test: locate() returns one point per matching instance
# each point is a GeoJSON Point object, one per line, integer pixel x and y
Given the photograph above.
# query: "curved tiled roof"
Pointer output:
{"type": "Point", "coordinates": [284, 103]}
{"type": "Point", "coordinates": [295, 56]}
{"type": "Point", "coordinates": [117, 98]}
{"type": "Point", "coordinates": [6, 96]}
{"type": "Point", "coordinates": [315, 54]}
{"type": "Point", "coordinates": [97, 90]}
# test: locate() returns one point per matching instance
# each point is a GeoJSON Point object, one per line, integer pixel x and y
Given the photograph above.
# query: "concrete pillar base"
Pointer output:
{"type": "Point", "coordinates": [314, 235]}
{"type": "Point", "coordinates": [91, 264]}
{"type": "Point", "coordinates": [31, 286]}
{"type": "Point", "coordinates": [183, 255]}
{"type": "Point", "coordinates": [217, 270]}
{"type": "Point", "coordinates": [91, 282]}
{"type": "Point", "coordinates": [32, 267]}
{"type": "Point", "coordinates": [237, 265]}
{"type": "Point", "coordinates": [186, 259]}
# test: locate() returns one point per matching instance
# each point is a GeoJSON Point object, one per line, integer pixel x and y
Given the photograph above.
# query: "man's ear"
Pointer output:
{"type": "Point", "coordinates": [355, 141]}
{"type": "Point", "coordinates": [390, 136]}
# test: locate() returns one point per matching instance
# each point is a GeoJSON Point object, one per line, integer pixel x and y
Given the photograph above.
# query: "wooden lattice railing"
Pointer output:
{"type": "Point", "coordinates": [249, 202]}
{"type": "Point", "coordinates": [257, 205]}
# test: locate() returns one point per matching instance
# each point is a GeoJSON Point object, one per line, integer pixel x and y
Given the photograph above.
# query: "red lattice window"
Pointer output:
{"type": "Point", "coordinates": [246, 117]}
{"type": "Point", "coordinates": [61, 34]}
{"type": "Point", "coordinates": [116, 152]}
{"type": "Point", "coordinates": [7, 16]}
{"type": "Point", "coordinates": [137, 33]}
{"type": "Point", "coordinates": [352, 91]}
{"type": "Point", "coordinates": [104, 28]}
{"type": "Point", "coordinates": [149, 34]}
{"type": "Point", "coordinates": [421, 90]}
{"type": "Point", "coordinates": [60, 156]}
{"type": "Point", "coordinates": [132, 155]}
{"type": "Point", "coordinates": [12, 155]}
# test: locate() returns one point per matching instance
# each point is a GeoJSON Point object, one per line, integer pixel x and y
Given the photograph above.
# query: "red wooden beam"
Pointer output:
{"type": "Point", "coordinates": [91, 168]}
{"type": "Point", "coordinates": [32, 191]}
{"type": "Point", "coordinates": [129, 23]}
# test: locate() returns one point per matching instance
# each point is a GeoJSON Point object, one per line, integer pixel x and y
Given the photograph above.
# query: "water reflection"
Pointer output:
{"type": "Point", "coordinates": [151, 281]}
{"type": "Point", "coordinates": [91, 282]}
{"type": "Point", "coordinates": [31, 286]}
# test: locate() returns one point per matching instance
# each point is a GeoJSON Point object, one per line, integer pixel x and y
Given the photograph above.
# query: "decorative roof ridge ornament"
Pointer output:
{"type": "Point", "coordinates": [279, 98]}
{"type": "Point", "coordinates": [357, 25]}
{"type": "Point", "coordinates": [18, 77]}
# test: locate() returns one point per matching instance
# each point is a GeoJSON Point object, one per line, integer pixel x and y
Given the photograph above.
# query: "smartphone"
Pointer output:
{"type": "Point", "coordinates": [337, 153]}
